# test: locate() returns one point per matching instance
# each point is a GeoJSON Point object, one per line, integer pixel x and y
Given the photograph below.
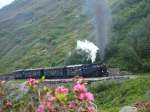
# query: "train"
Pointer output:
{"type": "Point", "coordinates": [83, 70]}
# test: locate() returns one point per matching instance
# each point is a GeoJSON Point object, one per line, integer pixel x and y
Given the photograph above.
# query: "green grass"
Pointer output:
{"type": "Point", "coordinates": [43, 33]}
{"type": "Point", "coordinates": [111, 96]}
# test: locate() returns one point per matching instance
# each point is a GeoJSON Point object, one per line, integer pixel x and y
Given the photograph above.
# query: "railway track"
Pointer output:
{"type": "Point", "coordinates": [55, 81]}
{"type": "Point", "coordinates": [59, 82]}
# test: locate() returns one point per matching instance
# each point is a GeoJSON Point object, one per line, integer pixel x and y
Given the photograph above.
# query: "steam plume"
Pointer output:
{"type": "Point", "coordinates": [89, 48]}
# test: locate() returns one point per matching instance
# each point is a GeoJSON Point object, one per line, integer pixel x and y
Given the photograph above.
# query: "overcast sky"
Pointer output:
{"type": "Point", "coordinates": [5, 2]}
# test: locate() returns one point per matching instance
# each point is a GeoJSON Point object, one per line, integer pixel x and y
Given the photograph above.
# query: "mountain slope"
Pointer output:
{"type": "Point", "coordinates": [41, 33]}
{"type": "Point", "coordinates": [131, 35]}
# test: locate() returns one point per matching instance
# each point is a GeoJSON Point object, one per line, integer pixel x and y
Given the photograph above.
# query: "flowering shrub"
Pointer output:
{"type": "Point", "coordinates": [46, 99]}
{"type": "Point", "coordinates": [80, 88]}
{"type": "Point", "coordinates": [31, 82]}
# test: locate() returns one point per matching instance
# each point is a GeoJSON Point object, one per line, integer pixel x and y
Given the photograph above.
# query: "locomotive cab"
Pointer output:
{"type": "Point", "coordinates": [103, 70]}
{"type": "Point", "coordinates": [100, 70]}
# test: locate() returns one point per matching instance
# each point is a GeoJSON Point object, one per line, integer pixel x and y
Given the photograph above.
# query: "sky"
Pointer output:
{"type": "Point", "coordinates": [5, 2]}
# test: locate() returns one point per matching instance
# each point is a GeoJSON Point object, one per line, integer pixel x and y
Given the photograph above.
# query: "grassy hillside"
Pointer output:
{"type": "Point", "coordinates": [42, 33]}
{"type": "Point", "coordinates": [130, 43]}
{"type": "Point", "coordinates": [111, 96]}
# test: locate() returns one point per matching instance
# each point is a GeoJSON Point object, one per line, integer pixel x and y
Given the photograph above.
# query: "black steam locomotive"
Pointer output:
{"type": "Point", "coordinates": [87, 70]}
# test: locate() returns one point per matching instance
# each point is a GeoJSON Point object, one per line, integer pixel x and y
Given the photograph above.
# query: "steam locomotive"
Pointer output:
{"type": "Point", "coordinates": [86, 70]}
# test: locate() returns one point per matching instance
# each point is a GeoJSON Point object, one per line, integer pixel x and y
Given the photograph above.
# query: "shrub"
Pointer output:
{"type": "Point", "coordinates": [45, 99]}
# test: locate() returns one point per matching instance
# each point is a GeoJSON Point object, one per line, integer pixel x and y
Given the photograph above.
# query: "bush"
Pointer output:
{"type": "Point", "coordinates": [45, 99]}
{"type": "Point", "coordinates": [126, 58]}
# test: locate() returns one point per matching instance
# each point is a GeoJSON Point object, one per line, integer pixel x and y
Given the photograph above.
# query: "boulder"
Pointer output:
{"type": "Point", "coordinates": [18, 90]}
{"type": "Point", "coordinates": [128, 109]}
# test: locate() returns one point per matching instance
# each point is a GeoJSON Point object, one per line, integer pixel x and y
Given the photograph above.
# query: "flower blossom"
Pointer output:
{"type": "Point", "coordinates": [91, 109]}
{"type": "Point", "coordinates": [8, 104]}
{"type": "Point", "coordinates": [50, 98]}
{"type": "Point", "coordinates": [49, 106]}
{"type": "Point", "coordinates": [46, 103]}
{"type": "Point", "coordinates": [79, 88]}
{"type": "Point", "coordinates": [62, 90]}
{"type": "Point", "coordinates": [31, 82]}
{"type": "Point", "coordinates": [41, 108]}
{"type": "Point", "coordinates": [86, 96]}
{"type": "Point", "coordinates": [72, 105]}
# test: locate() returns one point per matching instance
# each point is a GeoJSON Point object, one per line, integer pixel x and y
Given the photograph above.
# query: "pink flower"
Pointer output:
{"type": "Point", "coordinates": [82, 96]}
{"type": "Point", "coordinates": [31, 82]}
{"type": "Point", "coordinates": [91, 109]}
{"type": "Point", "coordinates": [50, 98]}
{"type": "Point", "coordinates": [89, 96]}
{"type": "Point", "coordinates": [49, 106]}
{"type": "Point", "coordinates": [41, 108]}
{"type": "Point", "coordinates": [79, 88]}
{"type": "Point", "coordinates": [46, 105]}
{"type": "Point", "coordinates": [86, 96]}
{"type": "Point", "coordinates": [62, 90]}
{"type": "Point", "coordinates": [72, 105]}
{"type": "Point", "coordinates": [8, 104]}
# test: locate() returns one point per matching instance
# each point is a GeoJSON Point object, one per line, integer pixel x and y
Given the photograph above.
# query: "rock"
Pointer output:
{"type": "Point", "coordinates": [128, 109]}
{"type": "Point", "coordinates": [18, 90]}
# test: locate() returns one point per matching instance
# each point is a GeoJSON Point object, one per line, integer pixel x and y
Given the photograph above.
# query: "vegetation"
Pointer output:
{"type": "Point", "coordinates": [130, 44]}
{"type": "Point", "coordinates": [36, 98]}
{"type": "Point", "coordinates": [40, 35]}
{"type": "Point", "coordinates": [43, 33]}
{"type": "Point", "coordinates": [111, 96]}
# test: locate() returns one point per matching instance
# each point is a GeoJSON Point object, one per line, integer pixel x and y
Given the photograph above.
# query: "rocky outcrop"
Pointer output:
{"type": "Point", "coordinates": [128, 109]}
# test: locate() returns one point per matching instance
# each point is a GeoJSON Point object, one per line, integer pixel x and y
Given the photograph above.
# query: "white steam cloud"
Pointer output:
{"type": "Point", "coordinates": [89, 48]}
